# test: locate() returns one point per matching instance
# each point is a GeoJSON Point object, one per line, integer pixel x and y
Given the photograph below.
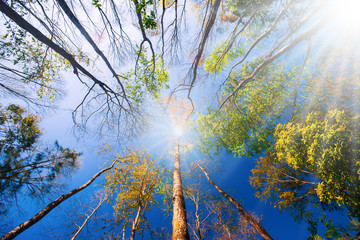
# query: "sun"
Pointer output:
{"type": "Point", "coordinates": [178, 132]}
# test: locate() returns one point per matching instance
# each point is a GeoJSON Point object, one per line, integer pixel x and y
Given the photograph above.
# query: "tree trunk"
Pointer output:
{"type": "Point", "coordinates": [135, 223]}
{"type": "Point", "coordinates": [260, 229]}
{"type": "Point", "coordinates": [88, 218]}
{"type": "Point", "coordinates": [180, 230]}
{"type": "Point", "coordinates": [25, 225]}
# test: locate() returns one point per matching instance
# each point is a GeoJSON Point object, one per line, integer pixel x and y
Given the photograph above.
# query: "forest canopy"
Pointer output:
{"type": "Point", "coordinates": [271, 82]}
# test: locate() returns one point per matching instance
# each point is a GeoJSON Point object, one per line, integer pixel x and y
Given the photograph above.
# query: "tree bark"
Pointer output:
{"type": "Point", "coordinates": [180, 230]}
{"type": "Point", "coordinates": [135, 223]}
{"type": "Point", "coordinates": [25, 225]}
{"type": "Point", "coordinates": [260, 229]}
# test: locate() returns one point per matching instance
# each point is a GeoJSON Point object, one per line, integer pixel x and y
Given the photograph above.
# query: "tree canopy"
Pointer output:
{"type": "Point", "coordinates": [27, 167]}
{"type": "Point", "coordinates": [275, 81]}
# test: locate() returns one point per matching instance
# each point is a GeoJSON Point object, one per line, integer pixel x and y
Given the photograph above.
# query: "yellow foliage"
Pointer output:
{"type": "Point", "coordinates": [179, 111]}
{"type": "Point", "coordinates": [133, 183]}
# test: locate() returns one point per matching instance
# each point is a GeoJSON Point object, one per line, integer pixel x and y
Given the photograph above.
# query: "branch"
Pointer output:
{"type": "Point", "coordinates": [21, 22]}
{"type": "Point", "coordinates": [208, 27]}
{"type": "Point", "coordinates": [78, 25]}
{"type": "Point", "coordinates": [277, 19]}
{"type": "Point", "coordinates": [279, 53]}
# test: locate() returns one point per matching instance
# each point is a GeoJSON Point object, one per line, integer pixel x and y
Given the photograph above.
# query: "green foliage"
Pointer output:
{"type": "Point", "coordinates": [146, 81]}
{"type": "Point", "coordinates": [315, 160]}
{"type": "Point", "coordinates": [96, 3]}
{"type": "Point", "coordinates": [33, 62]}
{"type": "Point", "coordinates": [38, 63]}
{"type": "Point", "coordinates": [310, 129]}
{"type": "Point", "coordinates": [25, 167]}
{"type": "Point", "coordinates": [132, 185]}
{"type": "Point", "coordinates": [18, 133]}
{"type": "Point", "coordinates": [246, 125]}
{"type": "Point", "coordinates": [247, 7]}
{"type": "Point", "coordinates": [220, 58]}
{"type": "Point", "coordinates": [149, 20]}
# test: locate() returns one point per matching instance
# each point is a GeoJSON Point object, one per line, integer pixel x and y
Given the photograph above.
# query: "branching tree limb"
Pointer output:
{"type": "Point", "coordinates": [209, 24]}
{"type": "Point", "coordinates": [279, 53]}
{"type": "Point", "coordinates": [88, 217]}
{"type": "Point", "coordinates": [78, 25]}
{"type": "Point", "coordinates": [10, 13]}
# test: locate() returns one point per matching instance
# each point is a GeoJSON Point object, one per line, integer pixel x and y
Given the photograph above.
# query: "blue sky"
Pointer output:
{"type": "Point", "coordinates": [233, 177]}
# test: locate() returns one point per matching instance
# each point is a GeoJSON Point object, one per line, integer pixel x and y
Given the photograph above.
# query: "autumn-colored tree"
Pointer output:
{"type": "Point", "coordinates": [132, 186]}
{"type": "Point", "coordinates": [314, 164]}
{"type": "Point", "coordinates": [293, 116]}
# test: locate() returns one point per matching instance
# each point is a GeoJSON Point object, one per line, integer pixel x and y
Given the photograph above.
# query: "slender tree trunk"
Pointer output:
{"type": "Point", "coordinates": [88, 218]}
{"type": "Point", "coordinates": [135, 223]}
{"type": "Point", "coordinates": [180, 230]}
{"type": "Point", "coordinates": [123, 232]}
{"type": "Point", "coordinates": [25, 225]}
{"type": "Point", "coordinates": [260, 229]}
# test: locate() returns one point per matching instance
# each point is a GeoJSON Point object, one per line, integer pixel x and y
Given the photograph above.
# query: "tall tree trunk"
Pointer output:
{"type": "Point", "coordinates": [136, 223]}
{"type": "Point", "coordinates": [260, 229]}
{"type": "Point", "coordinates": [180, 230]}
{"type": "Point", "coordinates": [25, 225]}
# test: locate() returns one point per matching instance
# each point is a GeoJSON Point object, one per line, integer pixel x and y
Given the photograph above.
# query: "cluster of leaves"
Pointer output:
{"type": "Point", "coordinates": [32, 61]}
{"type": "Point", "coordinates": [24, 166]}
{"type": "Point", "coordinates": [314, 163]}
{"type": "Point", "coordinates": [149, 20]}
{"type": "Point", "coordinates": [309, 128]}
{"type": "Point", "coordinates": [315, 160]}
{"type": "Point", "coordinates": [132, 186]}
{"type": "Point", "coordinates": [220, 58]}
{"type": "Point", "coordinates": [248, 123]}
{"type": "Point", "coordinates": [246, 7]}
{"type": "Point", "coordinates": [38, 64]}
{"type": "Point", "coordinates": [96, 3]}
{"type": "Point", "coordinates": [148, 79]}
